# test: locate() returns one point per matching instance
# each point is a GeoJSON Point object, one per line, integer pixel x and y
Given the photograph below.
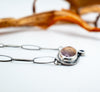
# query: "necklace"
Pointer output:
{"type": "Point", "coordinates": [66, 55]}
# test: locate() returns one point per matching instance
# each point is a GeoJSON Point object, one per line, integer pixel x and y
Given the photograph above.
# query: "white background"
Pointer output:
{"type": "Point", "coordinates": [28, 77]}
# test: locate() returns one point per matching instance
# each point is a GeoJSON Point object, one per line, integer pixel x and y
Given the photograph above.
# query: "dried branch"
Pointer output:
{"type": "Point", "coordinates": [84, 6]}
{"type": "Point", "coordinates": [47, 19]}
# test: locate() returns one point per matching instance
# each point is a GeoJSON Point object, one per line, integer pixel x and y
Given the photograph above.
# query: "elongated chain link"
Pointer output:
{"type": "Point", "coordinates": [27, 47]}
{"type": "Point", "coordinates": [37, 60]}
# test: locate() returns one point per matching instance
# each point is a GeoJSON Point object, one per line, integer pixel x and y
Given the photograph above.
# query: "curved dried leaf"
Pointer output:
{"type": "Point", "coordinates": [84, 6]}
{"type": "Point", "coordinates": [47, 19]}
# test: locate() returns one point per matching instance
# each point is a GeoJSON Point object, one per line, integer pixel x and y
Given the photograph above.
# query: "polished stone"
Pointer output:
{"type": "Point", "coordinates": [68, 51]}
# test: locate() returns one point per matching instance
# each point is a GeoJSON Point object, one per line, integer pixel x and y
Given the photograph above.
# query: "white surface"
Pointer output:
{"type": "Point", "coordinates": [28, 77]}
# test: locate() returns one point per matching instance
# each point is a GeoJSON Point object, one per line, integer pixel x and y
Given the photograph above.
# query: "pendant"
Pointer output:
{"type": "Point", "coordinates": [69, 56]}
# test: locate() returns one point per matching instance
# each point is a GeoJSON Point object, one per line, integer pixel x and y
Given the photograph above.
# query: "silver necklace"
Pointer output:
{"type": "Point", "coordinates": [66, 55]}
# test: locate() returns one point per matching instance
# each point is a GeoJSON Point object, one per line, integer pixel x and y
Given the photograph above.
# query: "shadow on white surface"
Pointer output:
{"type": "Point", "coordinates": [75, 34]}
{"type": "Point", "coordinates": [24, 29]}
{"type": "Point", "coordinates": [17, 30]}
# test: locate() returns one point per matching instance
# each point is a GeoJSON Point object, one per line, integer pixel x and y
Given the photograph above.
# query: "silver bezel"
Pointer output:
{"type": "Point", "coordinates": [67, 60]}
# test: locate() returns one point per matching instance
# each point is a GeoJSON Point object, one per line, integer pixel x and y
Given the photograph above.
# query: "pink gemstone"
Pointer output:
{"type": "Point", "coordinates": [68, 51]}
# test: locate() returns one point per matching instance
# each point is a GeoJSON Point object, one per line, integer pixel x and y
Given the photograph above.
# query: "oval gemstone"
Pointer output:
{"type": "Point", "coordinates": [68, 51]}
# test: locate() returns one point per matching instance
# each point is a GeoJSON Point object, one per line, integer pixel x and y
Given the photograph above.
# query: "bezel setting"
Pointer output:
{"type": "Point", "coordinates": [69, 60]}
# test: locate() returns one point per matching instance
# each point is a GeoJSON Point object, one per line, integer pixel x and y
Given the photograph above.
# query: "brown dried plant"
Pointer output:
{"type": "Point", "coordinates": [84, 6]}
{"type": "Point", "coordinates": [46, 19]}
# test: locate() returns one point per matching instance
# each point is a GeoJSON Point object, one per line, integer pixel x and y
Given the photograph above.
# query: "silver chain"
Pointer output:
{"type": "Point", "coordinates": [27, 47]}
{"type": "Point", "coordinates": [37, 60]}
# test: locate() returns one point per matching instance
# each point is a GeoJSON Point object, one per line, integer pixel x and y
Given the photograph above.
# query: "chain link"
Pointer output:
{"type": "Point", "coordinates": [27, 47]}
{"type": "Point", "coordinates": [37, 60]}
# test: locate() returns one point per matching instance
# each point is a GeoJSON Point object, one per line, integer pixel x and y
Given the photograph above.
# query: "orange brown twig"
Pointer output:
{"type": "Point", "coordinates": [84, 6]}
{"type": "Point", "coordinates": [47, 19]}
